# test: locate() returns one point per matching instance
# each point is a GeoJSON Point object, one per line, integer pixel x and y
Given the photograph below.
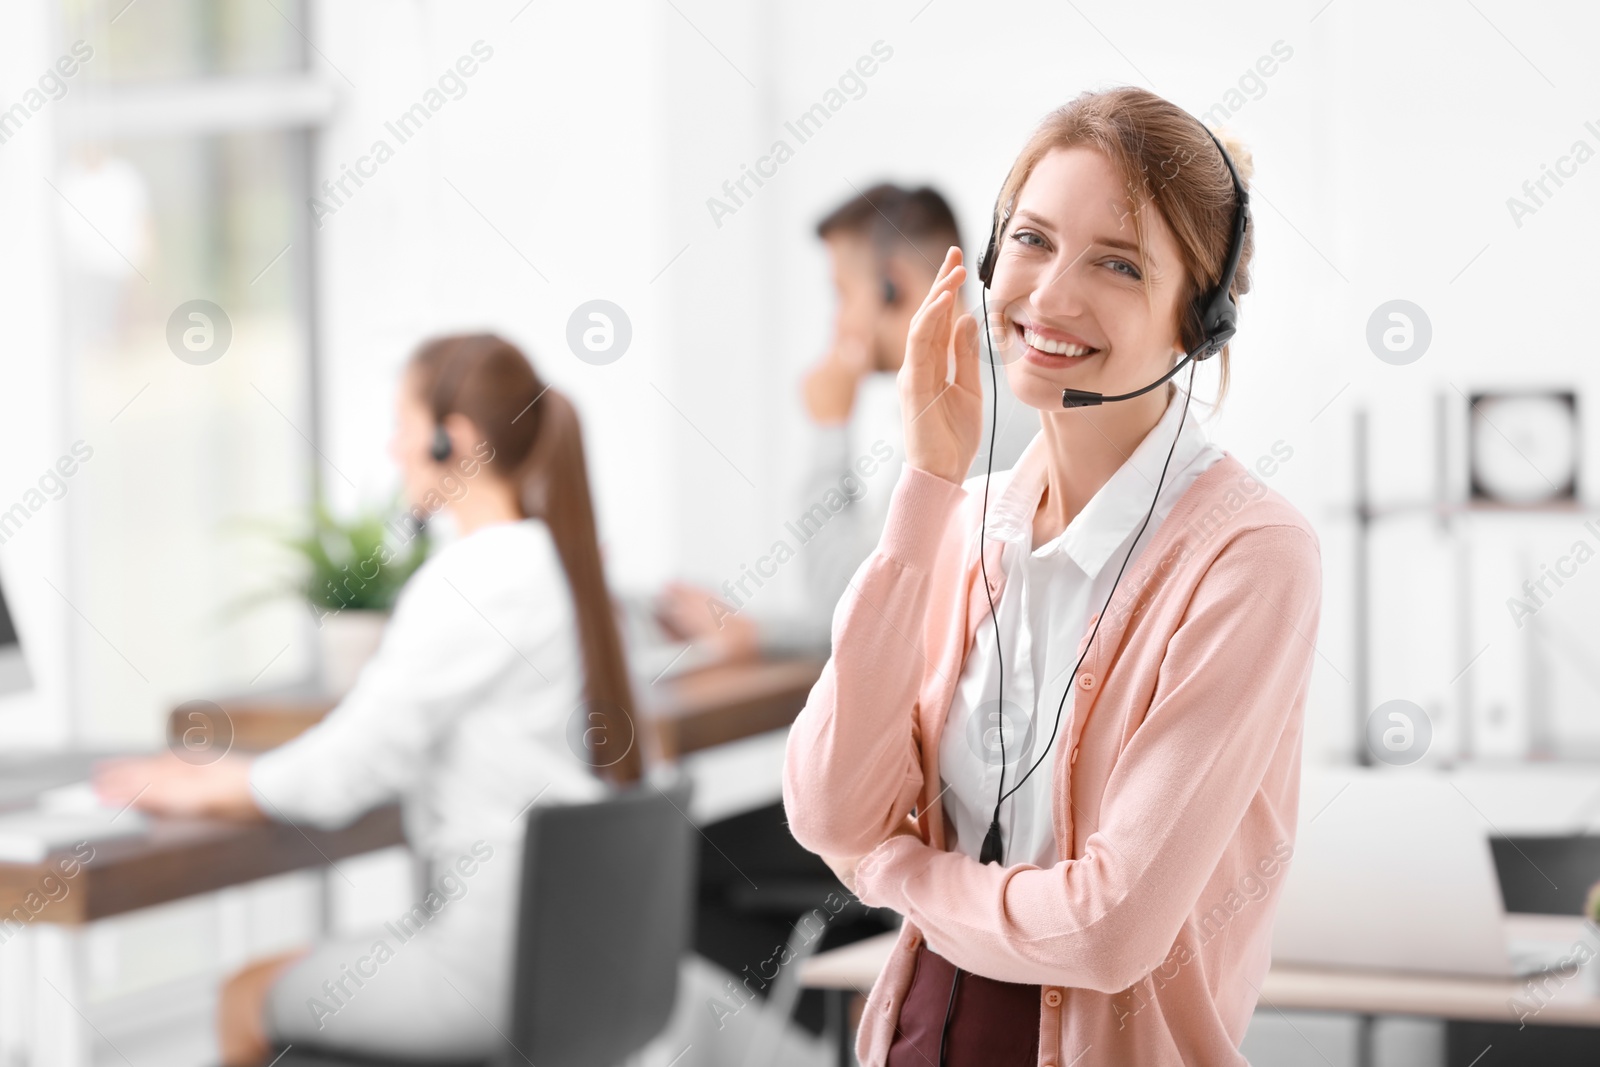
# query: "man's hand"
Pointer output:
{"type": "Point", "coordinates": [845, 866]}
{"type": "Point", "coordinates": [830, 387]}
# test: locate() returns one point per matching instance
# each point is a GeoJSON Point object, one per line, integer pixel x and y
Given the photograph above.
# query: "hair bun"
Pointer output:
{"type": "Point", "coordinates": [1242, 159]}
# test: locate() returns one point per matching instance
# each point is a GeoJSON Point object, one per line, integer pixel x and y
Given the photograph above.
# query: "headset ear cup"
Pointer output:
{"type": "Point", "coordinates": [1218, 323]}
{"type": "Point", "coordinates": [986, 261]}
{"type": "Point", "coordinates": [440, 448]}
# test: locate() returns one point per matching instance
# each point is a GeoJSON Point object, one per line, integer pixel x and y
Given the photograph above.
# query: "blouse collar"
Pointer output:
{"type": "Point", "coordinates": [1120, 505]}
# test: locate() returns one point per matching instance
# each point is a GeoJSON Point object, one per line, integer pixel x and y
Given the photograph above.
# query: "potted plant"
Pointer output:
{"type": "Point", "coordinates": [349, 572]}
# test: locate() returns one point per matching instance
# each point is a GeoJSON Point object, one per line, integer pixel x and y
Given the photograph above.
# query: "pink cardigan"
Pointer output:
{"type": "Point", "coordinates": [1177, 772]}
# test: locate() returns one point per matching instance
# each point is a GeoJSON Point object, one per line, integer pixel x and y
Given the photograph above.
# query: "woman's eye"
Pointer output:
{"type": "Point", "coordinates": [1131, 272]}
{"type": "Point", "coordinates": [1027, 237]}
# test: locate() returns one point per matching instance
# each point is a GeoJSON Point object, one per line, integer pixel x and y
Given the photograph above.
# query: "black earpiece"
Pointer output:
{"type": "Point", "coordinates": [439, 449]}
{"type": "Point", "coordinates": [986, 260]}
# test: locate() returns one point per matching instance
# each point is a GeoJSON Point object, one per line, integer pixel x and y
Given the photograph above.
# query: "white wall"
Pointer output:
{"type": "Point", "coordinates": [552, 144]}
{"type": "Point", "coordinates": [1385, 148]}
{"type": "Point", "coordinates": [32, 407]}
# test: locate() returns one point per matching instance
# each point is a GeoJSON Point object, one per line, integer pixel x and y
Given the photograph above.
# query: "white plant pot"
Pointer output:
{"type": "Point", "coordinates": [347, 640]}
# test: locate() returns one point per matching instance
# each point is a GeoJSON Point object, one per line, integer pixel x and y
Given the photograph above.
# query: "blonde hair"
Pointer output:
{"type": "Point", "coordinates": [1164, 157]}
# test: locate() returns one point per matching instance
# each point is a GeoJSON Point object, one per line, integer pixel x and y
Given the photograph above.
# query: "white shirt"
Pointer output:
{"type": "Point", "coordinates": [1043, 610]}
{"type": "Point", "coordinates": [465, 716]}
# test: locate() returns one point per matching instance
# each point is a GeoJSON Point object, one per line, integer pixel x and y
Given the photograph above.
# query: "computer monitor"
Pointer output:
{"type": "Point", "coordinates": [14, 674]}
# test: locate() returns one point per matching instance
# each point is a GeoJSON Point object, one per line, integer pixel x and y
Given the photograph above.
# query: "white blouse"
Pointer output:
{"type": "Point", "coordinates": [465, 713]}
{"type": "Point", "coordinates": [1044, 609]}
{"type": "Point", "coordinates": [465, 716]}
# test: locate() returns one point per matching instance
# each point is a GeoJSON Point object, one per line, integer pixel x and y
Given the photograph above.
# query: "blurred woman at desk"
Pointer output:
{"type": "Point", "coordinates": [500, 682]}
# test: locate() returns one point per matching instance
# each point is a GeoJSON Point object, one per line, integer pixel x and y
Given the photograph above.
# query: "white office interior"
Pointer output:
{"type": "Point", "coordinates": [1418, 167]}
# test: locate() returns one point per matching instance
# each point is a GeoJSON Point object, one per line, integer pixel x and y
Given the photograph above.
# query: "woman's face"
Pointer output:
{"type": "Point", "coordinates": [1069, 278]}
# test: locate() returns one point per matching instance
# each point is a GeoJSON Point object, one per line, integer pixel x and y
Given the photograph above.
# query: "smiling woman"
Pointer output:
{"type": "Point", "coordinates": [1059, 870]}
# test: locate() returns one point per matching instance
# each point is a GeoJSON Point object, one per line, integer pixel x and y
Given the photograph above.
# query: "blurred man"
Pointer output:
{"type": "Point", "coordinates": [884, 247]}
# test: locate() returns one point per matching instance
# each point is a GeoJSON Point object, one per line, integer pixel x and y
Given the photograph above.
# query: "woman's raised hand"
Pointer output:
{"type": "Point", "coordinates": [943, 419]}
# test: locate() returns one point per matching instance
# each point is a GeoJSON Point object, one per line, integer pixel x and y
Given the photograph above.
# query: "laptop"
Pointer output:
{"type": "Point", "coordinates": [1392, 870]}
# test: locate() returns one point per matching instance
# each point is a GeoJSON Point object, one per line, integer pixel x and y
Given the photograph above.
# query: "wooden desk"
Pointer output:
{"type": "Point", "coordinates": [182, 857]}
{"type": "Point", "coordinates": [178, 857]}
{"type": "Point", "coordinates": [726, 703]}
{"type": "Point", "coordinates": [683, 714]}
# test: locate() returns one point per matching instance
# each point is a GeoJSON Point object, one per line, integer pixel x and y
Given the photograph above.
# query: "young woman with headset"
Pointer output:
{"type": "Point", "coordinates": [1060, 730]}
{"type": "Point", "coordinates": [500, 682]}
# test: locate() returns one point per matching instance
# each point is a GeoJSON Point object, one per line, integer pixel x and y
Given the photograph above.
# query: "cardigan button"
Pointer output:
{"type": "Point", "coordinates": [1052, 997]}
{"type": "Point", "coordinates": [1085, 681]}
{"type": "Point", "coordinates": [1074, 756]}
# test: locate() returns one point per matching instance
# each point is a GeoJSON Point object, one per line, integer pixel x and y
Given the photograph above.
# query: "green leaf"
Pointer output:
{"type": "Point", "coordinates": [359, 563]}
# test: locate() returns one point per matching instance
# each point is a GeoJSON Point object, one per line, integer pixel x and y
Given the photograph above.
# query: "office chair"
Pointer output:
{"type": "Point", "coordinates": [604, 921]}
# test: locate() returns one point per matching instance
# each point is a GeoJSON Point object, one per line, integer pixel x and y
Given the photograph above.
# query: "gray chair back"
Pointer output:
{"type": "Point", "coordinates": [606, 913]}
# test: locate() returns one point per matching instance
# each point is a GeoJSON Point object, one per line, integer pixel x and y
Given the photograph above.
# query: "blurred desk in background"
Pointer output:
{"type": "Point", "coordinates": [688, 713]}
{"type": "Point", "coordinates": [685, 713]}
{"type": "Point", "coordinates": [177, 858]}
{"type": "Point", "coordinates": [44, 909]}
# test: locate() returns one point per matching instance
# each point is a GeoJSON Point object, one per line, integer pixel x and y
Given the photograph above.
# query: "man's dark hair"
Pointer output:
{"type": "Point", "coordinates": [862, 212]}
{"type": "Point", "coordinates": [897, 221]}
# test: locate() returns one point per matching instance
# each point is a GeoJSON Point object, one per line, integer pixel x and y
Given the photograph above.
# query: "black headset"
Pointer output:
{"type": "Point", "coordinates": [444, 398]}
{"type": "Point", "coordinates": [440, 448]}
{"type": "Point", "coordinates": [1219, 317]}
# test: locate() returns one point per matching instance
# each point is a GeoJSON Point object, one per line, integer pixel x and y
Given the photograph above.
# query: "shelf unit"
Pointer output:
{"type": "Point", "coordinates": [1449, 514]}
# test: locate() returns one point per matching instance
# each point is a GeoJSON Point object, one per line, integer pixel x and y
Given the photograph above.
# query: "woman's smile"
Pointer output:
{"type": "Point", "coordinates": [1050, 347]}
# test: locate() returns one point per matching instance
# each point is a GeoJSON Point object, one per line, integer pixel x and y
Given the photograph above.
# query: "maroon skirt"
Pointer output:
{"type": "Point", "coordinates": [991, 1023]}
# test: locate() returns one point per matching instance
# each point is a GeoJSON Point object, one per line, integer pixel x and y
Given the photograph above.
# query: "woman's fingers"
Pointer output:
{"type": "Point", "coordinates": [952, 263]}
{"type": "Point", "coordinates": [966, 345]}
{"type": "Point", "coordinates": [936, 309]}
{"type": "Point", "coordinates": [926, 345]}
{"type": "Point", "coordinates": [952, 258]}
